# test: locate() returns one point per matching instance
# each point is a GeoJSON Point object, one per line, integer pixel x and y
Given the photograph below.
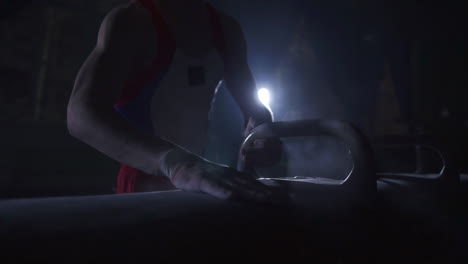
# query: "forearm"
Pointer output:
{"type": "Point", "coordinates": [259, 115]}
{"type": "Point", "coordinates": [245, 94]}
{"type": "Point", "coordinates": [107, 132]}
{"type": "Point", "coordinates": [262, 114]}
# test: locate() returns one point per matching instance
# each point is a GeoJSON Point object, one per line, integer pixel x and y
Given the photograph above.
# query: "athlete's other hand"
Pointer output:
{"type": "Point", "coordinates": [262, 152]}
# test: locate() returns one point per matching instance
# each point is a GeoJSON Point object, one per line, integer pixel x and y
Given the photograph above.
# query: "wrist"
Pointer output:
{"type": "Point", "coordinates": [173, 158]}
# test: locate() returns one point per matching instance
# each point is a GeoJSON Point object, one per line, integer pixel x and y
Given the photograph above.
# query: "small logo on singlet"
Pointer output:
{"type": "Point", "coordinates": [196, 75]}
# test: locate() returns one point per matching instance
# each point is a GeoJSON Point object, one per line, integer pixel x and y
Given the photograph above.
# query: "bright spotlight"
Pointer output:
{"type": "Point", "coordinates": [264, 97]}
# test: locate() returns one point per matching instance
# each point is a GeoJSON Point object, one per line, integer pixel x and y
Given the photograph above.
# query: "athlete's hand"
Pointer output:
{"type": "Point", "coordinates": [262, 152]}
{"type": "Point", "coordinates": [191, 173]}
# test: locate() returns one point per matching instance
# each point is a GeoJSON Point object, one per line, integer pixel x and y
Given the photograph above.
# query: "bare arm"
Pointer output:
{"type": "Point", "coordinates": [239, 78]}
{"type": "Point", "coordinates": [119, 54]}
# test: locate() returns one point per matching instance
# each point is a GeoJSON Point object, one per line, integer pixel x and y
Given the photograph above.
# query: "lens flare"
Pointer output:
{"type": "Point", "coordinates": [264, 96]}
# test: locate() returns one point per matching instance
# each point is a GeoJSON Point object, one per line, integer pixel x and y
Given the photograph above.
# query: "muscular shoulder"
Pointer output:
{"type": "Point", "coordinates": [232, 28]}
{"type": "Point", "coordinates": [234, 36]}
{"type": "Point", "coordinates": [128, 24]}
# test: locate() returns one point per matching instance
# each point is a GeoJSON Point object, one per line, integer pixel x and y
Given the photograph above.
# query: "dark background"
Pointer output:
{"type": "Point", "coordinates": [390, 67]}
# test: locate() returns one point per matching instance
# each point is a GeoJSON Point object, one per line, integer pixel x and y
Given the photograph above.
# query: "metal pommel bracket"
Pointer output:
{"type": "Point", "coordinates": [361, 180]}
